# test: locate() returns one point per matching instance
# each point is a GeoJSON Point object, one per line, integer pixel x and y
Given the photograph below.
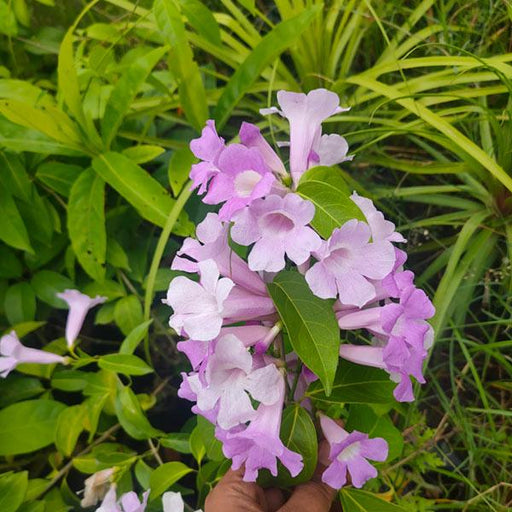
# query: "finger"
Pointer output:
{"type": "Point", "coordinates": [274, 498]}
{"type": "Point", "coordinates": [310, 497]}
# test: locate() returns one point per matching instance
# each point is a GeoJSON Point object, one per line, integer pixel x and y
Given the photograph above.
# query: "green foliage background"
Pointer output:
{"type": "Point", "coordinates": [98, 102]}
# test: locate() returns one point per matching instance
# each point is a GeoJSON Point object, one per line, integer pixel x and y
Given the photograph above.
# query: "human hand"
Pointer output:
{"type": "Point", "coordinates": [232, 494]}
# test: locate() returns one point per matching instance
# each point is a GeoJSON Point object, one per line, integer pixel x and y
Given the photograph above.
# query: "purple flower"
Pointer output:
{"type": "Point", "coordinates": [79, 304]}
{"type": "Point", "coordinates": [208, 148]}
{"type": "Point", "coordinates": [381, 228]}
{"type": "Point", "coordinates": [243, 177]}
{"type": "Point", "coordinates": [259, 445]}
{"type": "Point", "coordinates": [229, 377]}
{"type": "Point", "coordinates": [348, 454]}
{"type": "Point", "coordinates": [213, 244]}
{"type": "Point", "coordinates": [305, 114]}
{"type": "Point", "coordinates": [198, 306]}
{"type": "Point", "coordinates": [277, 226]}
{"type": "Point", "coordinates": [12, 353]}
{"type": "Point", "coordinates": [251, 137]}
{"type": "Point", "coordinates": [347, 262]}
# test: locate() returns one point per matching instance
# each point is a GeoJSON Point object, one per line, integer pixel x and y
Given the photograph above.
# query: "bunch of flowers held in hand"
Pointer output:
{"type": "Point", "coordinates": [233, 330]}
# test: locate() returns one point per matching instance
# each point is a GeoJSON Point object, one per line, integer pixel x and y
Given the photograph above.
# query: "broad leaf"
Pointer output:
{"type": "Point", "coordinates": [13, 230]}
{"type": "Point", "coordinates": [28, 426]}
{"type": "Point", "coordinates": [128, 313]}
{"type": "Point", "coordinates": [17, 388]}
{"type": "Point", "coordinates": [126, 364]}
{"type": "Point", "coordinates": [69, 426]}
{"type": "Point", "coordinates": [166, 475]}
{"type": "Point", "coordinates": [356, 384]}
{"type": "Point", "coordinates": [354, 500]}
{"type": "Point", "coordinates": [47, 284]}
{"type": "Point", "coordinates": [14, 177]}
{"type": "Point", "coordinates": [58, 176]}
{"type": "Point", "coordinates": [178, 441]}
{"type": "Point", "coordinates": [86, 223]}
{"type": "Point", "coordinates": [13, 487]}
{"type": "Point", "coordinates": [130, 415]}
{"type": "Point", "coordinates": [328, 191]}
{"type": "Point", "coordinates": [131, 342]}
{"type": "Point", "coordinates": [20, 303]}
{"type": "Point", "coordinates": [310, 323]}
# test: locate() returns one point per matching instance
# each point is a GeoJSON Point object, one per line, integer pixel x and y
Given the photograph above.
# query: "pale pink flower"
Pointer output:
{"type": "Point", "coordinates": [79, 304]}
{"type": "Point", "coordinates": [97, 487]}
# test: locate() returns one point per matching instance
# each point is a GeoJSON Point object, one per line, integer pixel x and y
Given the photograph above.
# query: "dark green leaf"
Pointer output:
{"type": "Point", "coordinates": [165, 475]}
{"type": "Point", "coordinates": [13, 230]}
{"type": "Point", "coordinates": [356, 384]}
{"type": "Point", "coordinates": [328, 191]}
{"type": "Point", "coordinates": [86, 223]}
{"type": "Point", "coordinates": [20, 303]}
{"type": "Point", "coordinates": [265, 53]}
{"type": "Point", "coordinates": [126, 364]}
{"type": "Point", "coordinates": [17, 388]}
{"type": "Point", "coordinates": [58, 176]}
{"type": "Point", "coordinates": [310, 323]}
{"type": "Point", "coordinates": [28, 426]}
{"type": "Point", "coordinates": [14, 177]}
{"type": "Point", "coordinates": [179, 168]}
{"type": "Point", "coordinates": [47, 284]}
{"type": "Point", "coordinates": [70, 380]}
{"type": "Point", "coordinates": [8, 25]}
{"type": "Point", "coordinates": [11, 266]}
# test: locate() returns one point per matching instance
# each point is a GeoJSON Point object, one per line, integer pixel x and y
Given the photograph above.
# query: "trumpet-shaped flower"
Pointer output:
{"type": "Point", "coordinates": [259, 445]}
{"type": "Point", "coordinates": [349, 454]}
{"type": "Point", "coordinates": [277, 226]}
{"type": "Point", "coordinates": [347, 262]}
{"type": "Point", "coordinates": [79, 304]}
{"type": "Point", "coordinates": [208, 148]}
{"type": "Point", "coordinates": [305, 114]}
{"type": "Point", "coordinates": [229, 378]}
{"type": "Point", "coordinates": [212, 243]}
{"type": "Point", "coordinates": [380, 228]}
{"type": "Point", "coordinates": [13, 352]}
{"type": "Point", "coordinates": [198, 306]}
{"type": "Point", "coordinates": [243, 177]}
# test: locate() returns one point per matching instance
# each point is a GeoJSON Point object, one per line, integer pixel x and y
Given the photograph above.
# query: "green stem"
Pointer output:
{"type": "Point", "coordinates": [157, 257]}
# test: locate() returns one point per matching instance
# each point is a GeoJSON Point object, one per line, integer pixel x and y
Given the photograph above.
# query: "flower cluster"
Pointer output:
{"type": "Point", "coordinates": [230, 323]}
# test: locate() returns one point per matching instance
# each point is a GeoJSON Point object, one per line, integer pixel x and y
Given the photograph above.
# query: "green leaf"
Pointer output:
{"type": "Point", "coordinates": [181, 62]}
{"type": "Point", "coordinates": [356, 384]}
{"type": "Point", "coordinates": [166, 475]}
{"type": "Point", "coordinates": [13, 230]}
{"type": "Point", "coordinates": [354, 500]}
{"type": "Point", "coordinates": [212, 445]}
{"type": "Point", "coordinates": [143, 473]}
{"type": "Point", "coordinates": [328, 191]}
{"type": "Point", "coordinates": [13, 487]}
{"type": "Point", "coordinates": [28, 426]}
{"type": "Point", "coordinates": [364, 419]}
{"type": "Point", "coordinates": [128, 313]}
{"type": "Point", "coordinates": [197, 446]}
{"type": "Point", "coordinates": [298, 433]}
{"type": "Point", "coordinates": [86, 223]}
{"type": "Point", "coordinates": [130, 415]}
{"type": "Point", "coordinates": [14, 177]}
{"type": "Point", "coordinates": [20, 303]}
{"type": "Point", "coordinates": [177, 441]}
{"type": "Point", "coordinates": [69, 427]}
{"type": "Point", "coordinates": [104, 456]}
{"type": "Point", "coordinates": [47, 284]}
{"type": "Point", "coordinates": [136, 186]}
{"type": "Point", "coordinates": [133, 339]}
{"type": "Point", "coordinates": [265, 53]}
{"type": "Point", "coordinates": [22, 12]}
{"type": "Point", "coordinates": [310, 323]}
{"type": "Point", "coordinates": [179, 168]}
{"type": "Point", "coordinates": [8, 25]}
{"type": "Point", "coordinates": [116, 255]}
{"type": "Point", "coordinates": [11, 266]}
{"type": "Point", "coordinates": [202, 19]}
{"type": "Point", "coordinates": [17, 388]}
{"type": "Point", "coordinates": [58, 176]}
{"type": "Point", "coordinates": [143, 153]}
{"type": "Point", "coordinates": [126, 364]}
{"type": "Point", "coordinates": [70, 380]}
{"type": "Point", "coordinates": [124, 92]}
